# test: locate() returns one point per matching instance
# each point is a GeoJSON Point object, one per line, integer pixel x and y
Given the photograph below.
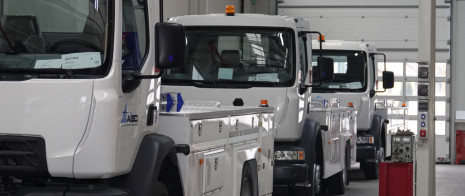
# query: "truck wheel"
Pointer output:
{"type": "Point", "coordinates": [249, 186]}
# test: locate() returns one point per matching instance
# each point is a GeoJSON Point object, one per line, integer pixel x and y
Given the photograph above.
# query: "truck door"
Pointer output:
{"type": "Point", "coordinates": [135, 105]}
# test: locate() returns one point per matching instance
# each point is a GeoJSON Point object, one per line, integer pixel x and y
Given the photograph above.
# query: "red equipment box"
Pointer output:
{"type": "Point", "coordinates": [460, 147]}
{"type": "Point", "coordinates": [395, 179]}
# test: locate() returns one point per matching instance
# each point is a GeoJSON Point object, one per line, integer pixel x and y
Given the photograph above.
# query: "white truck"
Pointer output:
{"type": "Point", "coordinates": [80, 108]}
{"type": "Point", "coordinates": [355, 83]}
{"type": "Point", "coordinates": [252, 59]}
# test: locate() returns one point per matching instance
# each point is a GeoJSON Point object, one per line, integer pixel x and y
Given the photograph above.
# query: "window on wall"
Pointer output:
{"type": "Point", "coordinates": [396, 67]}
{"type": "Point", "coordinates": [396, 91]}
{"type": "Point", "coordinates": [406, 90]}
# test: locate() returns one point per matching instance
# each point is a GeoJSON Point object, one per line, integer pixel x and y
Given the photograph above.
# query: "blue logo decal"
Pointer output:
{"type": "Point", "coordinates": [128, 118]}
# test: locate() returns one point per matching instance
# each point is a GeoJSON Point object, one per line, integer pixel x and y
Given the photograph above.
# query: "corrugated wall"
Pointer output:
{"type": "Point", "coordinates": [392, 25]}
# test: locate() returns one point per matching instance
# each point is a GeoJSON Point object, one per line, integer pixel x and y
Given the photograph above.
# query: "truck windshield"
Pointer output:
{"type": "Point", "coordinates": [235, 57]}
{"type": "Point", "coordinates": [350, 71]}
{"type": "Point", "coordinates": [53, 36]}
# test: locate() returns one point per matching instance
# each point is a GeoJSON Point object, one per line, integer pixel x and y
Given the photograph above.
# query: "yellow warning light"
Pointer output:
{"type": "Point", "coordinates": [404, 105]}
{"type": "Point", "coordinates": [200, 161]}
{"type": "Point", "coordinates": [321, 38]}
{"type": "Point", "coordinates": [229, 10]}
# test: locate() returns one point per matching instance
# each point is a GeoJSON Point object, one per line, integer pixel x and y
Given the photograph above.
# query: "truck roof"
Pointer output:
{"type": "Point", "coordinates": [236, 20]}
{"type": "Point", "coordinates": [344, 45]}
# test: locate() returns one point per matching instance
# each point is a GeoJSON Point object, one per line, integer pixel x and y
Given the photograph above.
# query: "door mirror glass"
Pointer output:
{"type": "Point", "coordinates": [170, 39]}
{"type": "Point", "coordinates": [388, 79]}
{"type": "Point", "coordinates": [324, 71]}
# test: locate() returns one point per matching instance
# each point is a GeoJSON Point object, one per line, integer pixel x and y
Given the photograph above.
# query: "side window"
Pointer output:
{"type": "Point", "coordinates": [302, 57]}
{"type": "Point", "coordinates": [134, 33]}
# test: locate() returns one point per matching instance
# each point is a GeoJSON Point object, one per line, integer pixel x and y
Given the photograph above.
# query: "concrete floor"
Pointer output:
{"type": "Point", "coordinates": [450, 181]}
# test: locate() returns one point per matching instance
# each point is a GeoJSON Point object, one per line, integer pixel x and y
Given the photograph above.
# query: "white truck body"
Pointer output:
{"type": "Point", "coordinates": [211, 35]}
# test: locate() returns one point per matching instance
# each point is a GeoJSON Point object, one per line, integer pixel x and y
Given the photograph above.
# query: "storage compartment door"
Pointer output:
{"type": "Point", "coordinates": [213, 172]}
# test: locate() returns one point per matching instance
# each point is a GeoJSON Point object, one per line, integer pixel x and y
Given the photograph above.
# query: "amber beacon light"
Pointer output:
{"type": "Point", "coordinates": [229, 10]}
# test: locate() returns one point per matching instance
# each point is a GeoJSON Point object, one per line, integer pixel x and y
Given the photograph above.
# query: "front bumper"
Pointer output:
{"type": "Point", "coordinates": [366, 152]}
{"type": "Point", "coordinates": [289, 173]}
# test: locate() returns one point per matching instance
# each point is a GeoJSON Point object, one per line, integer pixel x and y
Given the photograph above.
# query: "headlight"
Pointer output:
{"type": "Point", "coordinates": [289, 155]}
{"type": "Point", "coordinates": [365, 140]}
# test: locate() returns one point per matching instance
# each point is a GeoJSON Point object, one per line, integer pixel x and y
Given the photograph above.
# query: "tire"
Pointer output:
{"type": "Point", "coordinates": [249, 184]}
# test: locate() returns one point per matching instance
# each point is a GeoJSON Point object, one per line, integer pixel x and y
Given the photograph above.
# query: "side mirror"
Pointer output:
{"type": "Point", "coordinates": [388, 79]}
{"type": "Point", "coordinates": [324, 71]}
{"type": "Point", "coordinates": [170, 40]}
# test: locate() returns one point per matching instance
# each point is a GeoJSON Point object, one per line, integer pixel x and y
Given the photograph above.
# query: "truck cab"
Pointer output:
{"type": "Point", "coordinates": [356, 83]}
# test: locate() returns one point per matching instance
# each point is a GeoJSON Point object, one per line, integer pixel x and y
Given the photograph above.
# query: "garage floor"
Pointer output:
{"type": "Point", "coordinates": [450, 181]}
